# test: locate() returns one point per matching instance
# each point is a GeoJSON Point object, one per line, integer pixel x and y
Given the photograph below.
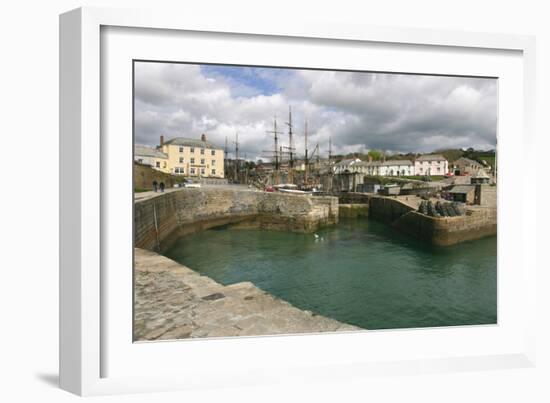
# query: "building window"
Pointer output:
{"type": "Point", "coordinates": [140, 160]}
{"type": "Point", "coordinates": [202, 150]}
{"type": "Point", "coordinates": [157, 164]}
{"type": "Point", "coordinates": [213, 152]}
{"type": "Point", "coordinates": [202, 171]}
{"type": "Point", "coordinates": [213, 172]}
{"type": "Point", "coordinates": [192, 171]}
{"type": "Point", "coordinates": [192, 149]}
{"type": "Point", "coordinates": [181, 160]}
{"type": "Point", "coordinates": [164, 164]}
{"type": "Point", "coordinates": [202, 161]}
{"type": "Point", "coordinates": [179, 170]}
{"type": "Point", "coordinates": [181, 149]}
{"type": "Point", "coordinates": [192, 160]}
{"type": "Point", "coordinates": [213, 162]}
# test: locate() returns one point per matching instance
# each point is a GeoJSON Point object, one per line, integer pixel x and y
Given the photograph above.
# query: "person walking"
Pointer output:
{"type": "Point", "coordinates": [155, 185]}
{"type": "Point", "coordinates": [161, 186]}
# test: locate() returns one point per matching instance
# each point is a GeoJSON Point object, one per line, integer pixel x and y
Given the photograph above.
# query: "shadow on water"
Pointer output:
{"type": "Point", "coordinates": [360, 271]}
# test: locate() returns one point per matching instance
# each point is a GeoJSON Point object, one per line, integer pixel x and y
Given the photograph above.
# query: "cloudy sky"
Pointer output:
{"type": "Point", "coordinates": [358, 111]}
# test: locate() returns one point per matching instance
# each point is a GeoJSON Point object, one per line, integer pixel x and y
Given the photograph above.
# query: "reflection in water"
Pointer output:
{"type": "Point", "coordinates": [359, 272]}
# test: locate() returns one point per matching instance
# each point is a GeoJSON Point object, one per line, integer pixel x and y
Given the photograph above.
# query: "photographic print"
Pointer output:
{"type": "Point", "coordinates": [272, 200]}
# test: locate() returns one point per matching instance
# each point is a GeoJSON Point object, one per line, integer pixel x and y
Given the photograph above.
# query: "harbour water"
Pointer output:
{"type": "Point", "coordinates": [360, 272]}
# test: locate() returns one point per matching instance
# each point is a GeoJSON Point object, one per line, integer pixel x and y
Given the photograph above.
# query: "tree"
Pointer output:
{"type": "Point", "coordinates": [376, 155]}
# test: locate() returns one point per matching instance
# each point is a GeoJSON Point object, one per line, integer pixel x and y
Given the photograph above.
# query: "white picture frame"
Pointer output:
{"type": "Point", "coordinates": [85, 344]}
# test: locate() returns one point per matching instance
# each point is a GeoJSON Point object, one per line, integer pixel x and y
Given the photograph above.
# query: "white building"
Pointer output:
{"type": "Point", "coordinates": [347, 166]}
{"type": "Point", "coordinates": [396, 168]}
{"type": "Point", "coordinates": [151, 156]}
{"type": "Point", "coordinates": [431, 164]}
{"type": "Point", "coordinates": [386, 168]}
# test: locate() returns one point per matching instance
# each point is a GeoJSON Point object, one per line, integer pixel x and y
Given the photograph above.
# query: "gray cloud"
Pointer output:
{"type": "Point", "coordinates": [358, 111]}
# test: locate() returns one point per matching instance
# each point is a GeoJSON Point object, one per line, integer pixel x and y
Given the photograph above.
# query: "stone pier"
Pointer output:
{"type": "Point", "coordinates": [161, 218]}
{"type": "Point", "coordinates": [174, 302]}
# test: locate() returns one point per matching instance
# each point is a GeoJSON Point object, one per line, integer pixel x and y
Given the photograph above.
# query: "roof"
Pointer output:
{"type": "Point", "coordinates": [144, 151]}
{"type": "Point", "coordinates": [348, 162]}
{"type": "Point", "coordinates": [431, 157]}
{"type": "Point", "coordinates": [369, 163]}
{"type": "Point", "coordinates": [184, 141]}
{"type": "Point", "coordinates": [397, 162]}
{"type": "Point", "coordinates": [468, 161]}
{"type": "Point", "coordinates": [462, 189]}
{"type": "Point", "coordinates": [481, 174]}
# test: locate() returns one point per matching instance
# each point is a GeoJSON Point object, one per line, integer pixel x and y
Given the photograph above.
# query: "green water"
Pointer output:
{"type": "Point", "coordinates": [359, 272]}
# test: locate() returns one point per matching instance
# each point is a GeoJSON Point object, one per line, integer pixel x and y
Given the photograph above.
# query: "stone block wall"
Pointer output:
{"type": "Point", "coordinates": [486, 195]}
{"type": "Point", "coordinates": [161, 219]}
{"type": "Point", "coordinates": [144, 176]}
{"type": "Point", "coordinates": [477, 223]}
{"type": "Point", "coordinates": [387, 209]}
{"type": "Point", "coordinates": [445, 231]}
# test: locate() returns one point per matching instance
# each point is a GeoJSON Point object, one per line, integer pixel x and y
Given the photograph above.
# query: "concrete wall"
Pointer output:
{"type": "Point", "coordinates": [161, 219]}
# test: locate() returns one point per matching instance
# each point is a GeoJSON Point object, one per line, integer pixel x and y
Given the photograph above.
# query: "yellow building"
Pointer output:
{"type": "Point", "coordinates": [193, 157]}
{"type": "Point", "coordinates": [183, 156]}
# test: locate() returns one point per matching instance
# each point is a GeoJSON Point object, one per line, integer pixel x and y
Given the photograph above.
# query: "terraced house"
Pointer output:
{"type": "Point", "coordinates": [184, 156]}
{"type": "Point", "coordinates": [431, 164]}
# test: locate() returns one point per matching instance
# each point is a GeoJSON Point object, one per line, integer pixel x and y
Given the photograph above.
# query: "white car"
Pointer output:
{"type": "Point", "coordinates": [192, 185]}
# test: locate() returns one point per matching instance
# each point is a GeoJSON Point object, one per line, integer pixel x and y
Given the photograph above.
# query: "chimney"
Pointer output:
{"type": "Point", "coordinates": [161, 141]}
{"type": "Point", "coordinates": [203, 137]}
{"type": "Point", "coordinates": [369, 158]}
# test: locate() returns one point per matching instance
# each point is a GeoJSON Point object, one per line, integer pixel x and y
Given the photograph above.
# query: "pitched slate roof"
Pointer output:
{"type": "Point", "coordinates": [184, 141]}
{"type": "Point", "coordinates": [397, 162]}
{"type": "Point", "coordinates": [467, 161]}
{"type": "Point", "coordinates": [144, 151]}
{"type": "Point", "coordinates": [348, 161]}
{"type": "Point", "coordinates": [431, 157]}
{"type": "Point", "coordinates": [462, 189]}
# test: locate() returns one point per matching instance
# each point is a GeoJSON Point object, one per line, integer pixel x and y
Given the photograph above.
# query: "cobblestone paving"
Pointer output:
{"type": "Point", "coordinates": [174, 302]}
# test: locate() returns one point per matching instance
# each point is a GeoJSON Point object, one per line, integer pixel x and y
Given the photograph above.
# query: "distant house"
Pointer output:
{"type": "Point", "coordinates": [463, 193]}
{"type": "Point", "coordinates": [466, 166]}
{"type": "Point", "coordinates": [396, 168]}
{"type": "Point", "coordinates": [151, 156]}
{"type": "Point", "coordinates": [375, 168]}
{"type": "Point", "coordinates": [371, 168]}
{"type": "Point", "coordinates": [431, 164]}
{"type": "Point", "coordinates": [347, 166]}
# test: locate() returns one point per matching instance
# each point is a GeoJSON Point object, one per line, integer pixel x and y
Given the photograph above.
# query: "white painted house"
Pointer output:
{"type": "Point", "coordinates": [156, 159]}
{"type": "Point", "coordinates": [347, 166]}
{"type": "Point", "coordinates": [431, 164]}
{"type": "Point", "coordinates": [386, 168]}
{"type": "Point", "coordinates": [397, 168]}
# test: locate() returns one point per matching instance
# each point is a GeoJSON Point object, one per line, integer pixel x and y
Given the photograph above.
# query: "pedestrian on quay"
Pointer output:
{"type": "Point", "coordinates": [161, 186]}
{"type": "Point", "coordinates": [155, 185]}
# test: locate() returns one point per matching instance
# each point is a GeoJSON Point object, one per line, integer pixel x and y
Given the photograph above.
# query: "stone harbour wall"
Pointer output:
{"type": "Point", "coordinates": [387, 209]}
{"type": "Point", "coordinates": [175, 302]}
{"type": "Point", "coordinates": [444, 231]}
{"type": "Point", "coordinates": [479, 222]}
{"type": "Point", "coordinates": [353, 210]}
{"type": "Point", "coordinates": [159, 220]}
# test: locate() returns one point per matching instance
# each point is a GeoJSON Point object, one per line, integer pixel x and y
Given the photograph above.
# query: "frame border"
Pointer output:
{"type": "Point", "coordinates": [80, 242]}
